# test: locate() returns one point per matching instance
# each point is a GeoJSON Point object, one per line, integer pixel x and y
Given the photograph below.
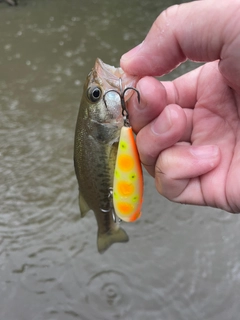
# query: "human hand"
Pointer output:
{"type": "Point", "coordinates": [188, 130]}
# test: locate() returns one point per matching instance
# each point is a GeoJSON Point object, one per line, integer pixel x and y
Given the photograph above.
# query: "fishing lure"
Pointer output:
{"type": "Point", "coordinates": [128, 178]}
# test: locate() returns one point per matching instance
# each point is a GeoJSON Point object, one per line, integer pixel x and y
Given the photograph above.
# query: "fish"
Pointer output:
{"type": "Point", "coordinates": [96, 142]}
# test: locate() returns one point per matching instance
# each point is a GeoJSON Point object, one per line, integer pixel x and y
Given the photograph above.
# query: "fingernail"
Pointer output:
{"type": "Point", "coordinates": [164, 122]}
{"type": "Point", "coordinates": [131, 52]}
{"type": "Point", "coordinates": [204, 152]}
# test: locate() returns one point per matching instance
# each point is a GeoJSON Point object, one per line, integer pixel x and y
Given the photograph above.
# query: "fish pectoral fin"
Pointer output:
{"type": "Point", "coordinates": [84, 208]}
{"type": "Point", "coordinates": [105, 240]}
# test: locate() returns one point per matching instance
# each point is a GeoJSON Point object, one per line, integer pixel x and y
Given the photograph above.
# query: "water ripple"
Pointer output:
{"type": "Point", "coordinates": [109, 294]}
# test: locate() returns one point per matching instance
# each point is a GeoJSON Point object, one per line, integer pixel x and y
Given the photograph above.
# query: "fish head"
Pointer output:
{"type": "Point", "coordinates": [103, 79]}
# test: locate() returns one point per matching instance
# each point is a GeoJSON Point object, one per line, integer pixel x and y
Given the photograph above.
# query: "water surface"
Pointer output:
{"type": "Point", "coordinates": [182, 262]}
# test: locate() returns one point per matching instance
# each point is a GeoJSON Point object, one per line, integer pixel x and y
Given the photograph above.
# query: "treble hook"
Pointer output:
{"type": "Point", "coordinates": [123, 103]}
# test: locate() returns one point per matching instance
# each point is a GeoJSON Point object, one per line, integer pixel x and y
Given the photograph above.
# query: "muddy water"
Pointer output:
{"type": "Point", "coordinates": [182, 262]}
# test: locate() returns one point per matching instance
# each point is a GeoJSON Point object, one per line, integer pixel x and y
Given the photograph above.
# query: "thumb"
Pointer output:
{"type": "Point", "coordinates": [199, 31]}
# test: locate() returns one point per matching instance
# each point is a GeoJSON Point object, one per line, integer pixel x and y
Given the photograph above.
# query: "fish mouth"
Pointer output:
{"type": "Point", "coordinates": [113, 78]}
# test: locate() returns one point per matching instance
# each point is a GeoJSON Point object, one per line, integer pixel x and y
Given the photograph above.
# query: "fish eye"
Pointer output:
{"type": "Point", "coordinates": [94, 94]}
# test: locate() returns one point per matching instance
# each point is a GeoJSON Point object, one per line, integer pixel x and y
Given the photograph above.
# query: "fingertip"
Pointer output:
{"type": "Point", "coordinates": [180, 170]}
{"type": "Point", "coordinates": [186, 161]}
{"type": "Point", "coordinates": [211, 153]}
{"type": "Point", "coordinates": [152, 93]}
{"type": "Point", "coordinates": [152, 101]}
{"type": "Point", "coordinates": [172, 115]}
{"type": "Point", "coordinates": [151, 88]}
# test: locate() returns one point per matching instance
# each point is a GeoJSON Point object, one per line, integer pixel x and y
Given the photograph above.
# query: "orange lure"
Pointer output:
{"type": "Point", "coordinates": [128, 178]}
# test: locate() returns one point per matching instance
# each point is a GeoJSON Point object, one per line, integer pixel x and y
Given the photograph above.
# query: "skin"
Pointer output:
{"type": "Point", "coordinates": [188, 130]}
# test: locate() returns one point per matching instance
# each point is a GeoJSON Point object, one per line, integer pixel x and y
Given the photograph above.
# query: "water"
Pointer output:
{"type": "Point", "coordinates": [182, 262]}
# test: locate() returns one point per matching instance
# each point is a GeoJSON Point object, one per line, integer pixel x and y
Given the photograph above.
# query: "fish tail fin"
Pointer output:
{"type": "Point", "coordinates": [105, 240]}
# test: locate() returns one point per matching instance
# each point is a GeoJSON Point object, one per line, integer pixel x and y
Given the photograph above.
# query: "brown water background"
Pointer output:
{"type": "Point", "coordinates": [182, 262]}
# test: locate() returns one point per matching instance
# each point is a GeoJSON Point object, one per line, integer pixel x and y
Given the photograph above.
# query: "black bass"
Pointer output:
{"type": "Point", "coordinates": [96, 143]}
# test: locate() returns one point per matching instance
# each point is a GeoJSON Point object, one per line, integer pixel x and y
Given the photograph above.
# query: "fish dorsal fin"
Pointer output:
{"type": "Point", "coordinates": [84, 208]}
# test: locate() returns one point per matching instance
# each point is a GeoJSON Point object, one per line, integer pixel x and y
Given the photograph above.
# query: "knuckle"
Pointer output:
{"type": "Point", "coordinates": [166, 18]}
